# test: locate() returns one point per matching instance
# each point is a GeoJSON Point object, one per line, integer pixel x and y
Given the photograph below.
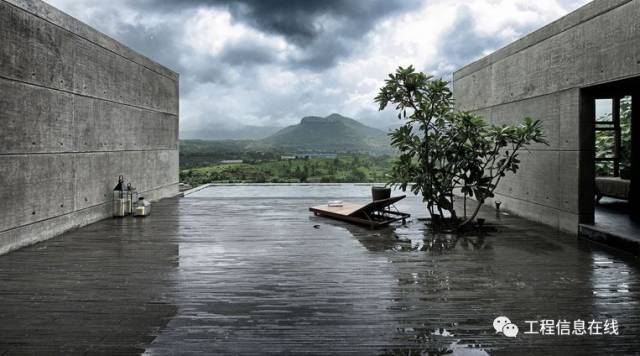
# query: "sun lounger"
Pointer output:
{"type": "Point", "coordinates": [375, 214]}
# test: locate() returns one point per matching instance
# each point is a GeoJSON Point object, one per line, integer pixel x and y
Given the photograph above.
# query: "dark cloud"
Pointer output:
{"type": "Point", "coordinates": [463, 43]}
{"type": "Point", "coordinates": [300, 58]}
{"type": "Point", "coordinates": [324, 53]}
{"type": "Point", "coordinates": [161, 43]}
{"type": "Point", "coordinates": [164, 43]}
{"type": "Point", "coordinates": [297, 19]}
{"type": "Point", "coordinates": [248, 54]}
{"type": "Point", "coordinates": [324, 31]}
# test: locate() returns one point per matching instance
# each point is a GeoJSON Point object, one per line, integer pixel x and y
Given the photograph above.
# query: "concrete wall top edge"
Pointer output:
{"type": "Point", "coordinates": [49, 13]}
{"type": "Point", "coordinates": [583, 14]}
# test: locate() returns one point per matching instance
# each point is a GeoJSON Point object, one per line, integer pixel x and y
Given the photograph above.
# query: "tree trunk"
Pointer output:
{"type": "Point", "coordinates": [465, 206]}
{"type": "Point", "coordinates": [475, 212]}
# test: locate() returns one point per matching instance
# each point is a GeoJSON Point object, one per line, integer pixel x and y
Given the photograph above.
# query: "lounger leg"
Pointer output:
{"type": "Point", "coordinates": [371, 225]}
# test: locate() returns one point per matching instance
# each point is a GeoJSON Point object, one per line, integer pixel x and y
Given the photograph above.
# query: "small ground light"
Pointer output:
{"type": "Point", "coordinates": [498, 203]}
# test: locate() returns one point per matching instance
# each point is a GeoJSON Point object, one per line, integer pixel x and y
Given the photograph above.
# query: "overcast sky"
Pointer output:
{"type": "Point", "coordinates": [271, 62]}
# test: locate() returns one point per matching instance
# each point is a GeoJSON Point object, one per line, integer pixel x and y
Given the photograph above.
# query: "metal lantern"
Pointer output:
{"type": "Point", "coordinates": [120, 199]}
{"type": "Point", "coordinates": [142, 208]}
{"type": "Point", "coordinates": [132, 197]}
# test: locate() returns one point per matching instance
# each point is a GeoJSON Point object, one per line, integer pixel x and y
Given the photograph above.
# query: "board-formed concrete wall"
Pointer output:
{"type": "Point", "coordinates": [77, 109]}
{"type": "Point", "coordinates": [541, 76]}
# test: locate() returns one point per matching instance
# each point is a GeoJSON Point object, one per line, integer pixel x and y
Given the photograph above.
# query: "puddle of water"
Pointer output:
{"type": "Point", "coordinates": [438, 341]}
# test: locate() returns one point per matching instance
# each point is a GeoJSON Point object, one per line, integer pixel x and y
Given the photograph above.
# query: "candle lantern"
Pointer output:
{"type": "Point", "coordinates": [142, 208]}
{"type": "Point", "coordinates": [120, 199]}
{"type": "Point", "coordinates": [132, 197]}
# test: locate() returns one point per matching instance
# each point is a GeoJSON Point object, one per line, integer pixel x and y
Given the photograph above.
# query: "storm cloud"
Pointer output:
{"type": "Point", "coordinates": [271, 62]}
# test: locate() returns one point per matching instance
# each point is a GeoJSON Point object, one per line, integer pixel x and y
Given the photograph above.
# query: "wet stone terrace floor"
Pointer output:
{"type": "Point", "coordinates": [248, 270]}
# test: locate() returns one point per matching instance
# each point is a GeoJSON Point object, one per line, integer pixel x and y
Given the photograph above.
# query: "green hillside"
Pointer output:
{"type": "Point", "coordinates": [201, 153]}
{"type": "Point", "coordinates": [334, 133]}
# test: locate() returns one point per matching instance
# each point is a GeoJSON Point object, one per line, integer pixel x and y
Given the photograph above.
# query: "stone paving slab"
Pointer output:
{"type": "Point", "coordinates": [248, 270]}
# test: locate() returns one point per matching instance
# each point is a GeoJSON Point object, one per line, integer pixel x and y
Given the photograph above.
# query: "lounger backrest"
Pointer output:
{"type": "Point", "coordinates": [378, 205]}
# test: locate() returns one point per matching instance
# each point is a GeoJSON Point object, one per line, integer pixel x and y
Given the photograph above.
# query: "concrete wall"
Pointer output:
{"type": "Point", "coordinates": [77, 109]}
{"type": "Point", "coordinates": [541, 75]}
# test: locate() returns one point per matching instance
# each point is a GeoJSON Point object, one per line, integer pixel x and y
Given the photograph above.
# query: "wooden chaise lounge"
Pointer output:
{"type": "Point", "coordinates": [375, 214]}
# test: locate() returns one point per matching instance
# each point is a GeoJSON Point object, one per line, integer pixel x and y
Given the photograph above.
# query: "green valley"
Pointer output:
{"type": "Point", "coordinates": [342, 168]}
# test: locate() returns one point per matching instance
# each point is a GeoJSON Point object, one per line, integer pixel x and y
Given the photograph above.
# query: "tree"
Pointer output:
{"type": "Point", "coordinates": [358, 175]}
{"type": "Point", "coordinates": [260, 177]}
{"type": "Point", "coordinates": [443, 150]}
{"type": "Point", "coordinates": [305, 174]}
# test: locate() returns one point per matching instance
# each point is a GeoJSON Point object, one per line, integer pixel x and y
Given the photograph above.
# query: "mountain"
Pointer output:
{"type": "Point", "coordinates": [391, 128]}
{"type": "Point", "coordinates": [334, 133]}
{"type": "Point", "coordinates": [241, 133]}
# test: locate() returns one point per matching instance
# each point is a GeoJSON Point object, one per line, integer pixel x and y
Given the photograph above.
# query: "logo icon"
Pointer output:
{"type": "Point", "coordinates": [503, 325]}
{"type": "Point", "coordinates": [510, 330]}
{"type": "Point", "coordinates": [500, 322]}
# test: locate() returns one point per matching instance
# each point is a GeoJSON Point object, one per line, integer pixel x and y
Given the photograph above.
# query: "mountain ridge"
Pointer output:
{"type": "Point", "coordinates": [247, 132]}
{"type": "Point", "coordinates": [332, 133]}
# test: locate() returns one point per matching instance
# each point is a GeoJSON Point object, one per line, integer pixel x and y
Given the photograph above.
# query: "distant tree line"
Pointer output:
{"type": "Point", "coordinates": [354, 168]}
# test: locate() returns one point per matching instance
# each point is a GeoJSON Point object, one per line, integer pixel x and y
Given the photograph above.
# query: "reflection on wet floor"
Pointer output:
{"type": "Point", "coordinates": [104, 288]}
{"type": "Point", "coordinates": [416, 237]}
{"type": "Point", "coordinates": [229, 271]}
{"type": "Point", "coordinates": [436, 342]}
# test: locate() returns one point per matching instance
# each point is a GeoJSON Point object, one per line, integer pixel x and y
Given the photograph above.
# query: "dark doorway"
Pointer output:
{"type": "Point", "coordinates": [609, 155]}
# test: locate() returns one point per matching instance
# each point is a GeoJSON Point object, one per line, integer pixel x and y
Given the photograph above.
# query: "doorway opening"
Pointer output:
{"type": "Point", "coordinates": [610, 130]}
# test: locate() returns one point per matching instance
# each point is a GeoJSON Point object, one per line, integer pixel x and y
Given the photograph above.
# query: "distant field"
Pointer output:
{"type": "Point", "coordinates": [201, 153]}
{"type": "Point", "coordinates": [355, 168]}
